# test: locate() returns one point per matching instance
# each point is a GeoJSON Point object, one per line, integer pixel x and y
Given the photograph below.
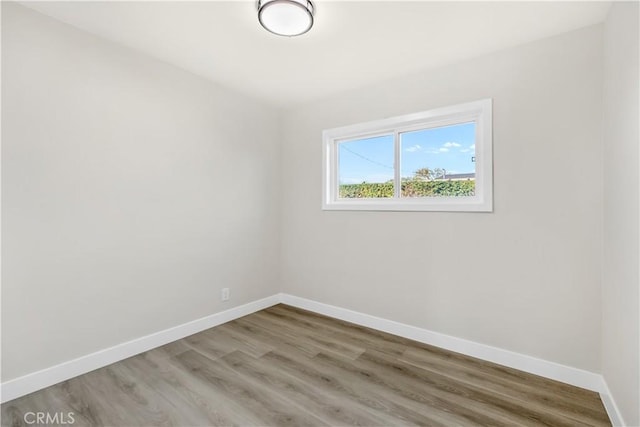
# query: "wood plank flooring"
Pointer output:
{"type": "Point", "coordinates": [288, 367]}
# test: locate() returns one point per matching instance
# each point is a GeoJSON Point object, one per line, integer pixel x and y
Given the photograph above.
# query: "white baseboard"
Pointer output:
{"type": "Point", "coordinates": [544, 368]}
{"type": "Point", "coordinates": [47, 377]}
{"type": "Point", "coordinates": [610, 405]}
{"type": "Point", "coordinates": [38, 380]}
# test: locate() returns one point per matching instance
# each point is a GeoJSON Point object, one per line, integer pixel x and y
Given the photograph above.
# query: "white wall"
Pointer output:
{"type": "Point", "coordinates": [132, 193]}
{"type": "Point", "coordinates": [525, 277]}
{"type": "Point", "coordinates": [621, 280]}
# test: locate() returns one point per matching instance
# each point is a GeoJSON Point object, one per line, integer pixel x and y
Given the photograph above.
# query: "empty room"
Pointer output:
{"type": "Point", "coordinates": [320, 213]}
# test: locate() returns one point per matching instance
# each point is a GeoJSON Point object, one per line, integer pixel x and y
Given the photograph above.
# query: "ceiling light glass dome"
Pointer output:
{"type": "Point", "coordinates": [286, 17]}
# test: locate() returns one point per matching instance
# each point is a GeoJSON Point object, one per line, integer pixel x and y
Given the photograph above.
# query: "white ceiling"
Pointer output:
{"type": "Point", "coordinates": [351, 45]}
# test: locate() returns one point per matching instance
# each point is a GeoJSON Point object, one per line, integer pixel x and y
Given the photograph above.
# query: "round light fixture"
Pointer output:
{"type": "Point", "coordinates": [286, 17]}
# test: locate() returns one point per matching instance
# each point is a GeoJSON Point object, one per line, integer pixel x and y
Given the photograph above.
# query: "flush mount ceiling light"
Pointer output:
{"type": "Point", "coordinates": [286, 17]}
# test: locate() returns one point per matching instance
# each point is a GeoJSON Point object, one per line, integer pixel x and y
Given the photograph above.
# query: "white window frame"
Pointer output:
{"type": "Point", "coordinates": [477, 111]}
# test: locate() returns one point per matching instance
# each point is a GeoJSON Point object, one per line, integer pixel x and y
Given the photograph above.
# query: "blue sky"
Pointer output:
{"type": "Point", "coordinates": [371, 160]}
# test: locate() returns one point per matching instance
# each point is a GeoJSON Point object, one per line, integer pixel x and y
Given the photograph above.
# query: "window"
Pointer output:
{"type": "Point", "coordinates": [437, 160]}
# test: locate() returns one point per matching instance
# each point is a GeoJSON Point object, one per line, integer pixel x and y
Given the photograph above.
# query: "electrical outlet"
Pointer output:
{"type": "Point", "coordinates": [224, 295]}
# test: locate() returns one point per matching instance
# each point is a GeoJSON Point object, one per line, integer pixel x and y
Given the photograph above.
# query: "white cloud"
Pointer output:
{"type": "Point", "coordinates": [472, 147]}
{"type": "Point", "coordinates": [413, 148]}
{"type": "Point", "coordinates": [451, 145]}
{"type": "Point", "coordinates": [443, 150]}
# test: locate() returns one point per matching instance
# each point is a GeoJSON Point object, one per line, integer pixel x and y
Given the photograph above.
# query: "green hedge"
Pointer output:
{"type": "Point", "coordinates": [410, 188]}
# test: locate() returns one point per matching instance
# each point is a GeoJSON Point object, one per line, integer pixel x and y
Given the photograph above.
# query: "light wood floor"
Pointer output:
{"type": "Point", "coordinates": [288, 367]}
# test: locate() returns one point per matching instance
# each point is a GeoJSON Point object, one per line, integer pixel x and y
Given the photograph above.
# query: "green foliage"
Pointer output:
{"type": "Point", "coordinates": [415, 188]}
{"type": "Point", "coordinates": [428, 174]}
{"type": "Point", "coordinates": [423, 173]}
{"type": "Point", "coordinates": [367, 190]}
{"type": "Point", "coordinates": [410, 188]}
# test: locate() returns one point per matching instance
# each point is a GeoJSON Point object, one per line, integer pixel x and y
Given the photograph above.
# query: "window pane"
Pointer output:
{"type": "Point", "coordinates": [439, 162]}
{"type": "Point", "coordinates": [365, 167]}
